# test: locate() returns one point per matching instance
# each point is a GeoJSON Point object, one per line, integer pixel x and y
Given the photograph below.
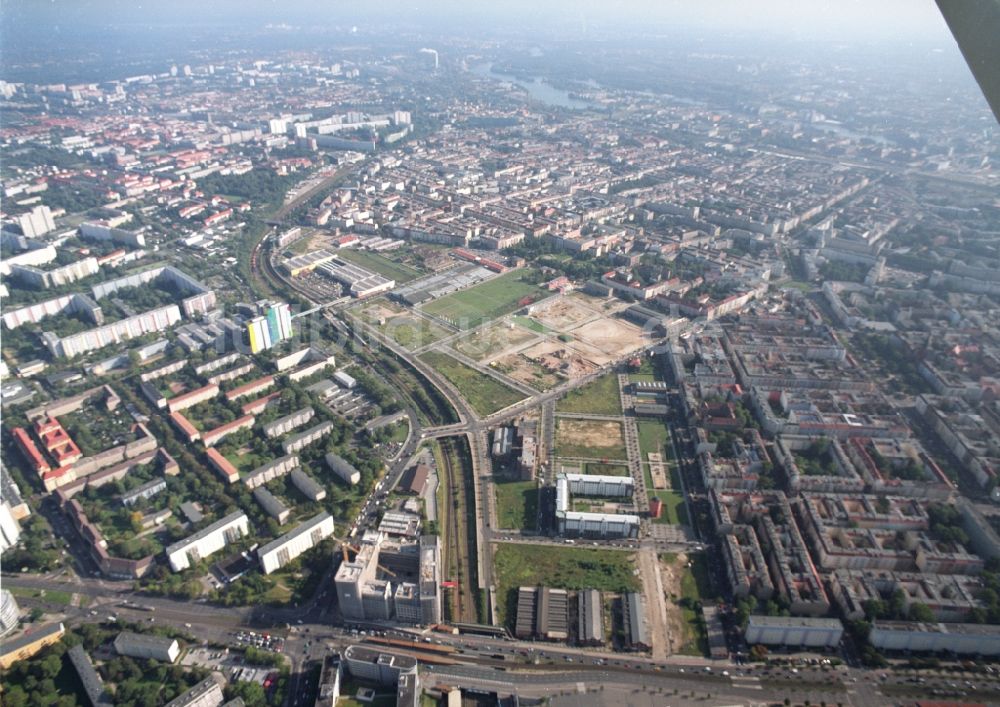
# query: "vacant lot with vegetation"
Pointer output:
{"type": "Point", "coordinates": [484, 394]}
{"type": "Point", "coordinates": [591, 439]}
{"type": "Point", "coordinates": [599, 397]}
{"type": "Point", "coordinates": [559, 567]}
{"type": "Point", "coordinates": [517, 504]}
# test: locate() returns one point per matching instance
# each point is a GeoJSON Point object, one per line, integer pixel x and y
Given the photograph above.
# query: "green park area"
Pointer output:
{"type": "Point", "coordinates": [494, 298]}
{"type": "Point", "coordinates": [561, 568]}
{"type": "Point", "coordinates": [486, 395]}
{"type": "Point", "coordinates": [653, 438]}
{"type": "Point", "coordinates": [517, 504]}
{"type": "Point", "coordinates": [674, 510]}
{"type": "Point", "coordinates": [599, 397]}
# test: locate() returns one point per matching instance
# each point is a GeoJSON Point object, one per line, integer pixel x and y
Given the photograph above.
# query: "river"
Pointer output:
{"type": "Point", "coordinates": [537, 88]}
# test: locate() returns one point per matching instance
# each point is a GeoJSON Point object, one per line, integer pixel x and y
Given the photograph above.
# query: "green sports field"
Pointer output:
{"type": "Point", "coordinates": [489, 300]}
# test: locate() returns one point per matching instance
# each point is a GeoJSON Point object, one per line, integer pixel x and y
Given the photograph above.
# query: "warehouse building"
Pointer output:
{"type": "Point", "coordinates": [634, 622]}
{"type": "Point", "coordinates": [590, 610]}
{"type": "Point", "coordinates": [207, 541]}
{"type": "Point", "coordinates": [794, 632]}
{"type": "Point", "coordinates": [280, 552]}
{"type": "Point", "coordinates": [356, 280]}
{"type": "Point", "coordinates": [543, 613]}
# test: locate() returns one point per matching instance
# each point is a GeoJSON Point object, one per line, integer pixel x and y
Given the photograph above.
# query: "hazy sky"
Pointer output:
{"type": "Point", "coordinates": [889, 20]}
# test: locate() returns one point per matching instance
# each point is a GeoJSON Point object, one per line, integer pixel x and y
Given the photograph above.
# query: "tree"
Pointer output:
{"type": "Point", "coordinates": [921, 612]}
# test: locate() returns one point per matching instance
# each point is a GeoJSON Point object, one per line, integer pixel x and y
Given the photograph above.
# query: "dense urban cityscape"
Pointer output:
{"type": "Point", "coordinates": [388, 367]}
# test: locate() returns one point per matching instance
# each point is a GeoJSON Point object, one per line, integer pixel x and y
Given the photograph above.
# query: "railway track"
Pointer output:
{"type": "Point", "coordinates": [460, 565]}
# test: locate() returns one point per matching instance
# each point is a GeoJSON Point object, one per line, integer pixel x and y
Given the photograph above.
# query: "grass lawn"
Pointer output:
{"type": "Point", "coordinates": [400, 433]}
{"type": "Point", "coordinates": [278, 594]}
{"type": "Point", "coordinates": [247, 461]}
{"type": "Point", "coordinates": [484, 394]}
{"type": "Point", "coordinates": [559, 567]}
{"type": "Point", "coordinates": [601, 469]}
{"type": "Point", "coordinates": [590, 439]}
{"type": "Point", "coordinates": [674, 510]}
{"type": "Point", "coordinates": [380, 264]}
{"type": "Point", "coordinates": [489, 300]}
{"type": "Point", "coordinates": [599, 397]}
{"type": "Point", "coordinates": [517, 504]}
{"type": "Point", "coordinates": [52, 596]}
{"type": "Point", "coordinates": [529, 323]}
{"type": "Point", "coordinates": [412, 332]}
{"type": "Point", "coordinates": [653, 437]}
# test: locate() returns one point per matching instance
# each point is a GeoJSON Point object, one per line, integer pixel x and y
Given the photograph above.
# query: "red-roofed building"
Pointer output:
{"type": "Point", "coordinates": [211, 437]}
{"type": "Point", "coordinates": [226, 470]}
{"type": "Point", "coordinates": [250, 388]}
{"type": "Point", "coordinates": [256, 406]}
{"type": "Point", "coordinates": [57, 478]}
{"type": "Point", "coordinates": [30, 451]}
{"type": "Point", "coordinates": [185, 427]}
{"type": "Point", "coordinates": [57, 441]}
{"type": "Point", "coordinates": [192, 398]}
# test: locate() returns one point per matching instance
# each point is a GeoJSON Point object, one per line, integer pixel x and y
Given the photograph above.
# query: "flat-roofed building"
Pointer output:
{"type": "Point", "coordinates": [963, 639]}
{"type": "Point", "coordinates": [140, 645]}
{"type": "Point", "coordinates": [343, 469]}
{"type": "Point", "coordinates": [280, 552]}
{"type": "Point", "coordinates": [146, 490]}
{"type": "Point", "coordinates": [284, 425]}
{"type": "Point", "coordinates": [307, 485]}
{"type": "Point", "coordinates": [328, 691]}
{"type": "Point", "coordinates": [93, 685]}
{"type": "Point", "coordinates": [272, 505]}
{"type": "Point", "coordinates": [794, 632]}
{"type": "Point", "coordinates": [208, 541]}
{"type": "Point", "coordinates": [378, 666]}
{"type": "Point", "coordinates": [207, 693]}
{"type": "Point", "coordinates": [27, 645]}
{"type": "Point", "coordinates": [304, 439]}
